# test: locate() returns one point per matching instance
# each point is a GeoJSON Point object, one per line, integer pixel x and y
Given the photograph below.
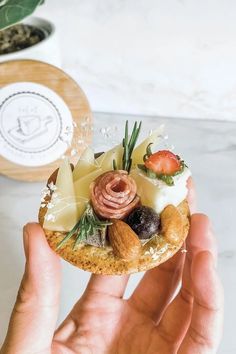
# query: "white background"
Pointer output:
{"type": "Point", "coordinates": [171, 58]}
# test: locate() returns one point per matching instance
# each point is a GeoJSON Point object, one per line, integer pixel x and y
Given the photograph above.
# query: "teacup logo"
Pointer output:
{"type": "Point", "coordinates": [35, 124]}
{"type": "Point", "coordinates": [30, 127]}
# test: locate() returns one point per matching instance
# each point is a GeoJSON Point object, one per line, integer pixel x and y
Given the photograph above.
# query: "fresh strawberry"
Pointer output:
{"type": "Point", "coordinates": [163, 162]}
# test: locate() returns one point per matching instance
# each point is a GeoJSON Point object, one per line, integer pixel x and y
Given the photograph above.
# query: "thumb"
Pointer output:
{"type": "Point", "coordinates": [34, 316]}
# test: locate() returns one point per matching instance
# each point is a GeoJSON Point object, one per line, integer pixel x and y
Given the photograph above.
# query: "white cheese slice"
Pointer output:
{"type": "Point", "coordinates": [140, 150]}
{"type": "Point", "coordinates": [81, 186]}
{"type": "Point", "coordinates": [105, 161]}
{"type": "Point", "coordinates": [157, 194]}
{"type": "Point", "coordinates": [85, 165]}
{"type": "Point", "coordinates": [64, 209]}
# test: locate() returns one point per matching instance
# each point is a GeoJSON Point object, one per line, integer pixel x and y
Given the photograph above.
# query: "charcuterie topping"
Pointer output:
{"type": "Point", "coordinates": [126, 195]}
{"type": "Point", "coordinates": [113, 194]}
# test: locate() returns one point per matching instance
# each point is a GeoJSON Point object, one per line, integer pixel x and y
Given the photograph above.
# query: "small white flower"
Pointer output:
{"type": "Point", "coordinates": [50, 217]}
{"type": "Point", "coordinates": [155, 256]}
{"type": "Point", "coordinates": [151, 250]}
{"type": "Point", "coordinates": [52, 187]}
{"type": "Point", "coordinates": [80, 141]}
{"type": "Point", "coordinates": [45, 191]}
{"type": "Point", "coordinates": [50, 205]}
{"type": "Point", "coordinates": [73, 152]}
{"type": "Point", "coordinates": [155, 253]}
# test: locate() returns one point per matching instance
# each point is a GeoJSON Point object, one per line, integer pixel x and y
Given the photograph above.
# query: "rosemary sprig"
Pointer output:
{"type": "Point", "coordinates": [86, 226]}
{"type": "Point", "coordinates": [129, 145]}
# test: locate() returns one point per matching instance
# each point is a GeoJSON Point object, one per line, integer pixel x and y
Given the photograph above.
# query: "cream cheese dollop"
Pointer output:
{"type": "Point", "coordinates": [156, 193]}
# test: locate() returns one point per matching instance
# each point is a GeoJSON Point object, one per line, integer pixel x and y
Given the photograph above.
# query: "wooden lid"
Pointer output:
{"type": "Point", "coordinates": [39, 105]}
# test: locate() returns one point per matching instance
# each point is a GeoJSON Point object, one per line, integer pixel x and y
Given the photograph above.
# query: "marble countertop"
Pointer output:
{"type": "Point", "coordinates": [209, 148]}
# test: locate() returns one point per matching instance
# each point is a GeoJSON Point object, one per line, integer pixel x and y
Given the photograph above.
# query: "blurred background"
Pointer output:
{"type": "Point", "coordinates": [170, 62]}
{"type": "Point", "coordinates": [172, 58]}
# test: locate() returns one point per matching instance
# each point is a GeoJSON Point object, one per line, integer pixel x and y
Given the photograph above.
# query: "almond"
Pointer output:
{"type": "Point", "coordinates": [124, 241]}
{"type": "Point", "coordinates": [172, 224]}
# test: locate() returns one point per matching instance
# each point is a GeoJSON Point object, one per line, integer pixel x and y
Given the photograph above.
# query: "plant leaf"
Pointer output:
{"type": "Point", "coordinates": [3, 2]}
{"type": "Point", "coordinates": [13, 11]}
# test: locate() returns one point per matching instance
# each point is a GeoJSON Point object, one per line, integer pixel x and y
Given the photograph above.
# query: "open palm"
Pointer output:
{"type": "Point", "coordinates": [103, 322]}
{"type": "Point", "coordinates": [160, 316]}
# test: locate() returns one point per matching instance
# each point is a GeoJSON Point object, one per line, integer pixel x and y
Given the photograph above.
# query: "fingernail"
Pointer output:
{"type": "Point", "coordinates": [26, 241]}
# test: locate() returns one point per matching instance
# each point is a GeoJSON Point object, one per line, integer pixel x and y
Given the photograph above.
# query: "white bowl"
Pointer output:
{"type": "Point", "coordinates": [46, 50]}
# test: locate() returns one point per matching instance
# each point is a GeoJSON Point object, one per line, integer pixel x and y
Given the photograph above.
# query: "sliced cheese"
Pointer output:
{"type": "Point", "coordinates": [140, 150]}
{"type": "Point", "coordinates": [63, 210]}
{"type": "Point", "coordinates": [88, 155]}
{"type": "Point", "coordinates": [85, 165]}
{"type": "Point", "coordinates": [105, 161]}
{"type": "Point", "coordinates": [64, 180]}
{"type": "Point", "coordinates": [82, 169]}
{"type": "Point", "coordinates": [81, 185]}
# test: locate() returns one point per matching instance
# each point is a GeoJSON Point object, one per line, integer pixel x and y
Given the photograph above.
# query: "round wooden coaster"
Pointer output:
{"type": "Point", "coordinates": [30, 127]}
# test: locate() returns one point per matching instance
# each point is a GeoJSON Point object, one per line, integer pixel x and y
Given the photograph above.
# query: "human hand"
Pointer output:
{"type": "Point", "coordinates": [103, 322]}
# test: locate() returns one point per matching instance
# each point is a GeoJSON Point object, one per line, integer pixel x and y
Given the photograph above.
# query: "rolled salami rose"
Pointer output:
{"type": "Point", "coordinates": [113, 194]}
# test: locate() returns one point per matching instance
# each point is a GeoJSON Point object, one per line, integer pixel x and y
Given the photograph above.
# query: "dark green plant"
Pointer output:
{"type": "Point", "coordinates": [13, 11]}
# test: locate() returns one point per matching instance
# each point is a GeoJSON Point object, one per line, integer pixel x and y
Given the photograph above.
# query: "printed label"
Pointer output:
{"type": "Point", "coordinates": [36, 126]}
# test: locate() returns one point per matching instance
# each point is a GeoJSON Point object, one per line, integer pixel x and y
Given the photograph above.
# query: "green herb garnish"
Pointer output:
{"type": "Point", "coordinates": [114, 165]}
{"type": "Point", "coordinates": [129, 145]}
{"type": "Point", "coordinates": [168, 179]}
{"type": "Point", "coordinates": [88, 225]}
{"type": "Point", "coordinates": [148, 152]}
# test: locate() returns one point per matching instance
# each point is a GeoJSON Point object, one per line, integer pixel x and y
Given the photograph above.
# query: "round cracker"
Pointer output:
{"type": "Point", "coordinates": [101, 260]}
